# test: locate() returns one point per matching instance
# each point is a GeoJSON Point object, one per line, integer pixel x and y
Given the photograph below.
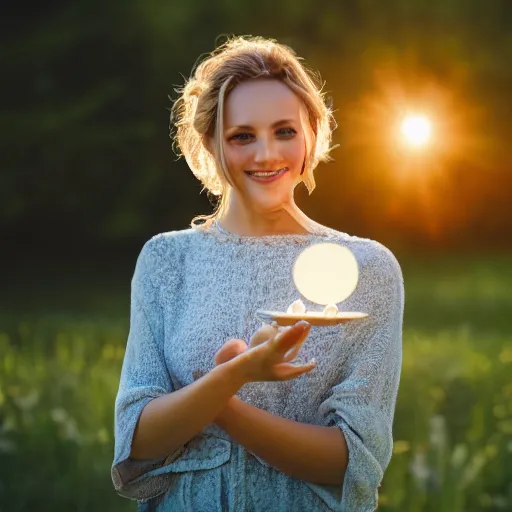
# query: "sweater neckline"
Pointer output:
{"type": "Point", "coordinates": [224, 235]}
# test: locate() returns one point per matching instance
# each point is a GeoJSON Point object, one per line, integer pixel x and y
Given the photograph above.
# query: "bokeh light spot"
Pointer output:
{"type": "Point", "coordinates": [326, 273]}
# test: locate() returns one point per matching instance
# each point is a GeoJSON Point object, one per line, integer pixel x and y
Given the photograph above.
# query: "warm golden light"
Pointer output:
{"type": "Point", "coordinates": [326, 273]}
{"type": "Point", "coordinates": [416, 130]}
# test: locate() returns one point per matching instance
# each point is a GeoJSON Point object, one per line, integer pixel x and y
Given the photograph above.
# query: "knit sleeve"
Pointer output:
{"type": "Point", "coordinates": [144, 374]}
{"type": "Point", "coordinates": [362, 404]}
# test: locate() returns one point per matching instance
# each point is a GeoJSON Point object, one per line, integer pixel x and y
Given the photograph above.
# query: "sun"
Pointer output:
{"type": "Point", "coordinates": [416, 130]}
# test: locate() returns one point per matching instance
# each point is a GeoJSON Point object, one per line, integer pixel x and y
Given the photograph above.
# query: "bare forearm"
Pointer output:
{"type": "Point", "coordinates": [168, 422]}
{"type": "Point", "coordinates": [308, 452]}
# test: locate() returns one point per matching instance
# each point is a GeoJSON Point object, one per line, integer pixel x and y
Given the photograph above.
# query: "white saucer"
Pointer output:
{"type": "Point", "coordinates": [313, 318]}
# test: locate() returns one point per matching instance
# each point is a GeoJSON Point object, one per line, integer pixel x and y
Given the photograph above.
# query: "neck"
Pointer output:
{"type": "Point", "coordinates": [243, 221]}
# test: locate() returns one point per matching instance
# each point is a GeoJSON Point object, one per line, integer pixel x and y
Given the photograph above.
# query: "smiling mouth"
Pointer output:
{"type": "Point", "coordinates": [267, 174]}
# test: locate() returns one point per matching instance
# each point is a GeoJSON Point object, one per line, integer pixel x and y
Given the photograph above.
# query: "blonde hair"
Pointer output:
{"type": "Point", "coordinates": [198, 113]}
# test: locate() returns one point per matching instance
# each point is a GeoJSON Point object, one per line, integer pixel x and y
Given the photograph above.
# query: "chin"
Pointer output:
{"type": "Point", "coordinates": [271, 200]}
{"type": "Point", "coordinates": [268, 205]}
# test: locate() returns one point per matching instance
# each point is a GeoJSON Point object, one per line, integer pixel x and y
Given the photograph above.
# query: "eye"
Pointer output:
{"type": "Point", "coordinates": [286, 132]}
{"type": "Point", "coordinates": [241, 137]}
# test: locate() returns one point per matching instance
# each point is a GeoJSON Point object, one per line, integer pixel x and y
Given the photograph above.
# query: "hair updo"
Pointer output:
{"type": "Point", "coordinates": [198, 113]}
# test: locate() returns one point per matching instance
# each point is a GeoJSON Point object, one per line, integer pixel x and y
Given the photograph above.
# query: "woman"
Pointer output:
{"type": "Point", "coordinates": [202, 422]}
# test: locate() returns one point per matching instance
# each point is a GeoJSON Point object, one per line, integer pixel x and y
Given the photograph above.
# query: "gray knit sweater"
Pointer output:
{"type": "Point", "coordinates": [192, 290]}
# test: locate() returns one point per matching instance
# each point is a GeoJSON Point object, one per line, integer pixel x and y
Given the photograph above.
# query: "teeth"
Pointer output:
{"type": "Point", "coordinates": [266, 174]}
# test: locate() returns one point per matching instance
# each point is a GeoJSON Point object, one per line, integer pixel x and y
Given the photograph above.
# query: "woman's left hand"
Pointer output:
{"type": "Point", "coordinates": [234, 347]}
{"type": "Point", "coordinates": [229, 350]}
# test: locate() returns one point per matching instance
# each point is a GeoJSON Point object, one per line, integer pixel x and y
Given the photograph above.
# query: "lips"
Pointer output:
{"type": "Point", "coordinates": [267, 172]}
{"type": "Point", "coordinates": [266, 176]}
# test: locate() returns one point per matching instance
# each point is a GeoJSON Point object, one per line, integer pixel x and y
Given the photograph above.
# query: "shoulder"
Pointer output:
{"type": "Point", "coordinates": [380, 272]}
{"type": "Point", "coordinates": [165, 244]}
{"type": "Point", "coordinates": [381, 265]}
{"type": "Point", "coordinates": [381, 260]}
{"type": "Point", "coordinates": [368, 252]}
{"type": "Point", "coordinates": [160, 255]}
{"type": "Point", "coordinates": [376, 261]}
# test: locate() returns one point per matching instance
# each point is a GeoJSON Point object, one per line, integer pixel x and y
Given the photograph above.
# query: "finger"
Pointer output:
{"type": "Point", "coordinates": [286, 371]}
{"type": "Point", "coordinates": [285, 340]}
{"type": "Point", "coordinates": [264, 333]}
{"type": "Point", "coordinates": [229, 350]}
{"type": "Point", "coordinates": [292, 354]}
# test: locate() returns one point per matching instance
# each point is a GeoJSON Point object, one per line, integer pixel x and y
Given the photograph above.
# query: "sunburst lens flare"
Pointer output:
{"type": "Point", "coordinates": [416, 130]}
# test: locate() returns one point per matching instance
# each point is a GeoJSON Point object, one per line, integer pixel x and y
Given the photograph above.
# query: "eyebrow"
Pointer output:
{"type": "Point", "coordinates": [249, 127]}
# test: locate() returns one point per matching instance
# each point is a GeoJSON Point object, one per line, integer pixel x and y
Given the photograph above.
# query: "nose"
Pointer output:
{"type": "Point", "coordinates": [266, 153]}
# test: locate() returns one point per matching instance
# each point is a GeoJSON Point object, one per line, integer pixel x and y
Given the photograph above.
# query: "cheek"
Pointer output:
{"type": "Point", "coordinates": [235, 156]}
{"type": "Point", "coordinates": [295, 152]}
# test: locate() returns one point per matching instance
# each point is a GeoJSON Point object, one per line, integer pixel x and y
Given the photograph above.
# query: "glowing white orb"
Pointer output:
{"type": "Point", "coordinates": [416, 130]}
{"type": "Point", "coordinates": [326, 273]}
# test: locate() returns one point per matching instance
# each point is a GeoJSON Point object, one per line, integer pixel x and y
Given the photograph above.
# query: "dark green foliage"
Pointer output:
{"type": "Point", "coordinates": [85, 122]}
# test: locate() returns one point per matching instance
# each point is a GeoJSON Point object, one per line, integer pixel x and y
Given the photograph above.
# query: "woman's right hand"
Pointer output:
{"type": "Point", "coordinates": [269, 361]}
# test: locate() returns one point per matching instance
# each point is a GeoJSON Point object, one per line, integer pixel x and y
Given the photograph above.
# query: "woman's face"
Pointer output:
{"type": "Point", "coordinates": [263, 133]}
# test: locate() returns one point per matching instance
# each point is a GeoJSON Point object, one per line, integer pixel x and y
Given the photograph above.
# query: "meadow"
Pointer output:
{"type": "Point", "coordinates": [62, 351]}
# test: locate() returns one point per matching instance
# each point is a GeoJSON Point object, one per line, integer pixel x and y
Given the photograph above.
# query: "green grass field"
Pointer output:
{"type": "Point", "coordinates": [61, 361]}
